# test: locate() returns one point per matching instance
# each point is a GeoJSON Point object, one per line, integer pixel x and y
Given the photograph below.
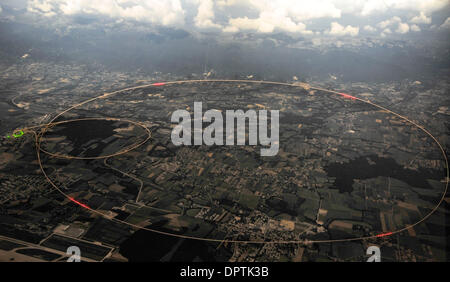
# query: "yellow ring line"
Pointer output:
{"type": "Point", "coordinates": [105, 95]}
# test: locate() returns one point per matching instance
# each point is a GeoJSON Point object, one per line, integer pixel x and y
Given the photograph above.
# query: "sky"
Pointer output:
{"type": "Point", "coordinates": [336, 18]}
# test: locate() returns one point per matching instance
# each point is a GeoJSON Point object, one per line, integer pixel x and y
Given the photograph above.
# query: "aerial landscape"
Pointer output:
{"type": "Point", "coordinates": [87, 151]}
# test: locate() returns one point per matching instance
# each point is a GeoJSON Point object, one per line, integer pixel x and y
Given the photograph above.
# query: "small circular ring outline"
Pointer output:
{"type": "Point", "coordinates": [123, 151]}
{"type": "Point", "coordinates": [17, 133]}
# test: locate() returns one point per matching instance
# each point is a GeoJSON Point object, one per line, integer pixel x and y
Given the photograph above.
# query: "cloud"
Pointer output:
{"type": "Point", "coordinates": [164, 12]}
{"type": "Point", "coordinates": [446, 24]}
{"type": "Point", "coordinates": [369, 28]}
{"type": "Point", "coordinates": [389, 22]}
{"type": "Point", "coordinates": [299, 10]}
{"type": "Point", "coordinates": [205, 15]}
{"type": "Point", "coordinates": [307, 9]}
{"type": "Point", "coordinates": [281, 15]}
{"type": "Point", "coordinates": [43, 7]}
{"type": "Point", "coordinates": [385, 32]}
{"type": "Point", "coordinates": [421, 19]}
{"type": "Point", "coordinates": [262, 16]}
{"type": "Point", "coordinates": [266, 23]}
{"type": "Point", "coordinates": [339, 30]}
{"type": "Point", "coordinates": [402, 28]}
{"type": "Point", "coordinates": [415, 27]}
{"type": "Point", "coordinates": [426, 6]}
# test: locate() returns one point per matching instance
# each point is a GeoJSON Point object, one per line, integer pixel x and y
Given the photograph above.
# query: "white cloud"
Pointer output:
{"type": "Point", "coordinates": [373, 6]}
{"type": "Point", "coordinates": [205, 15]}
{"type": "Point", "coordinates": [402, 28]}
{"type": "Point", "coordinates": [44, 7]}
{"type": "Point", "coordinates": [316, 41]}
{"type": "Point", "coordinates": [425, 6]}
{"type": "Point", "coordinates": [164, 12]}
{"type": "Point", "coordinates": [385, 32]}
{"type": "Point", "coordinates": [369, 28]}
{"type": "Point", "coordinates": [389, 22]}
{"type": "Point", "coordinates": [386, 24]}
{"type": "Point", "coordinates": [446, 24]}
{"type": "Point", "coordinates": [415, 27]}
{"type": "Point", "coordinates": [265, 16]}
{"type": "Point", "coordinates": [421, 19]}
{"type": "Point", "coordinates": [339, 30]}
{"type": "Point", "coordinates": [299, 10]}
{"type": "Point", "coordinates": [282, 15]}
{"type": "Point", "coordinates": [266, 23]}
{"type": "Point", "coordinates": [307, 9]}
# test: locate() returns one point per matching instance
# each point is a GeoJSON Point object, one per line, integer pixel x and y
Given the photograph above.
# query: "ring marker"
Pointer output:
{"type": "Point", "coordinates": [17, 134]}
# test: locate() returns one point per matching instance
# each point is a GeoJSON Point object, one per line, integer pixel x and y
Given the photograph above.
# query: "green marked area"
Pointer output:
{"type": "Point", "coordinates": [17, 134]}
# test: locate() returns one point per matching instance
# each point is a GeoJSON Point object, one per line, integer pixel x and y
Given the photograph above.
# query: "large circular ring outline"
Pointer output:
{"type": "Point", "coordinates": [105, 95]}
